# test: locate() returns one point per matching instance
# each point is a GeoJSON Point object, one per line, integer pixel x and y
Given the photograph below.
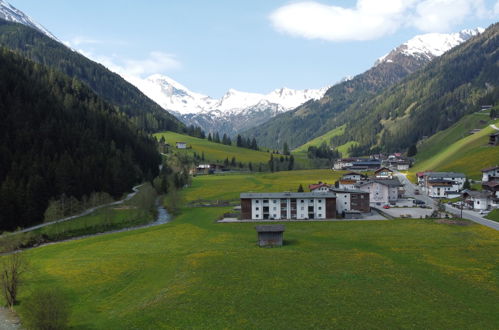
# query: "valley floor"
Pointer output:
{"type": "Point", "coordinates": [196, 273]}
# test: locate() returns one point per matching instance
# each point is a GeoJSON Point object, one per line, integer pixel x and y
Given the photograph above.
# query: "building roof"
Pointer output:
{"type": "Point", "coordinates": [348, 191]}
{"type": "Point", "coordinates": [383, 169]}
{"type": "Point", "coordinates": [317, 185]}
{"type": "Point", "coordinates": [476, 194]}
{"type": "Point", "coordinates": [386, 182]}
{"type": "Point", "coordinates": [490, 168]}
{"type": "Point", "coordinates": [491, 184]}
{"type": "Point", "coordinates": [353, 173]}
{"type": "Point", "coordinates": [441, 175]}
{"type": "Point", "coordinates": [347, 181]}
{"type": "Point", "coordinates": [289, 195]}
{"type": "Point", "coordinates": [270, 228]}
{"type": "Point", "coordinates": [495, 134]}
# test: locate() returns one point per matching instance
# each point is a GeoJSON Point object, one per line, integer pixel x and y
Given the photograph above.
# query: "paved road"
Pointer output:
{"type": "Point", "coordinates": [409, 187]}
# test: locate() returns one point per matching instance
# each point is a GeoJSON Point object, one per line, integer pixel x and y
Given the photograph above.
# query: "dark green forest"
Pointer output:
{"type": "Point", "coordinates": [58, 137]}
{"type": "Point", "coordinates": [36, 46]}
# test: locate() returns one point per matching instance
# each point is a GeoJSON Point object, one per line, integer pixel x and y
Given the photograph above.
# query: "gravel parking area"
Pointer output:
{"type": "Point", "coordinates": [413, 212]}
{"type": "Point", "coordinates": [8, 320]}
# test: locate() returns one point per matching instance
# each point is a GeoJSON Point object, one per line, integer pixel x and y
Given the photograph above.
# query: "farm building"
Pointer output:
{"type": "Point", "coordinates": [181, 145]}
{"type": "Point", "coordinates": [288, 205]}
{"type": "Point", "coordinates": [270, 235]}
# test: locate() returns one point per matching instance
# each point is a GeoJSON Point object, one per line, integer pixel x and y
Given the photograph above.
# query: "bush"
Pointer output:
{"type": "Point", "coordinates": [46, 310]}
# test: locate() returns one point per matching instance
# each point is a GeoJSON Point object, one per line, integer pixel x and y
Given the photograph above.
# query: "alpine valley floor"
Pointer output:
{"type": "Point", "coordinates": [196, 273]}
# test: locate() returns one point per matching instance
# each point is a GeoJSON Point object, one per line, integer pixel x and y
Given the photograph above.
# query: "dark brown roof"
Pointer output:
{"type": "Point", "coordinates": [269, 228]}
{"type": "Point", "coordinates": [490, 169]}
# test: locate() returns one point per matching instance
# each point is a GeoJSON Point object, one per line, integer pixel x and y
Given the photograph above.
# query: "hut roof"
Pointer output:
{"type": "Point", "coordinates": [269, 228]}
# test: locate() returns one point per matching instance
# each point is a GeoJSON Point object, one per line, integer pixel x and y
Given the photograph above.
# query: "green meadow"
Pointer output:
{"type": "Point", "coordinates": [455, 150]}
{"type": "Point", "coordinates": [215, 151]}
{"type": "Point", "coordinates": [327, 138]}
{"type": "Point", "coordinates": [196, 273]}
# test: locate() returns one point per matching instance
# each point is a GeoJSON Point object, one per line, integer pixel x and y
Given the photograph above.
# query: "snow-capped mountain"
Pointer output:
{"type": "Point", "coordinates": [428, 46]}
{"type": "Point", "coordinates": [175, 97]}
{"type": "Point", "coordinates": [12, 14]}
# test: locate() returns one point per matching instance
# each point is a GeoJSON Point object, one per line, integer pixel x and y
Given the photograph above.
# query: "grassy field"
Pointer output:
{"type": "Point", "coordinates": [215, 151]}
{"type": "Point", "coordinates": [449, 151]}
{"type": "Point", "coordinates": [327, 138]}
{"type": "Point", "coordinates": [494, 215]}
{"type": "Point", "coordinates": [229, 186]}
{"type": "Point", "coordinates": [194, 273]}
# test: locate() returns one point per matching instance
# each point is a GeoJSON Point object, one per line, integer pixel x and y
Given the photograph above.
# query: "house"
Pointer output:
{"type": "Point", "coordinates": [181, 145]}
{"type": "Point", "coordinates": [490, 174]}
{"type": "Point", "coordinates": [348, 200]}
{"type": "Point", "coordinates": [420, 177]}
{"type": "Point", "coordinates": [288, 205]}
{"type": "Point", "coordinates": [343, 163]}
{"type": "Point", "coordinates": [270, 235]}
{"type": "Point", "coordinates": [357, 164]}
{"type": "Point", "coordinates": [319, 187]}
{"type": "Point", "coordinates": [353, 176]}
{"type": "Point", "coordinates": [381, 191]}
{"type": "Point", "coordinates": [477, 200]}
{"type": "Point", "coordinates": [457, 178]}
{"type": "Point", "coordinates": [443, 188]}
{"type": "Point", "coordinates": [494, 139]}
{"type": "Point", "coordinates": [383, 173]}
{"type": "Point", "coordinates": [347, 184]}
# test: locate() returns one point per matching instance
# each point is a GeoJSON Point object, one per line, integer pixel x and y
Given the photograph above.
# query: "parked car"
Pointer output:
{"type": "Point", "coordinates": [418, 202]}
{"type": "Point", "coordinates": [386, 206]}
{"type": "Point", "coordinates": [416, 191]}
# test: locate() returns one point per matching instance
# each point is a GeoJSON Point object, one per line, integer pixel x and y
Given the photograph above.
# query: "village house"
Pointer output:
{"type": "Point", "coordinates": [477, 200]}
{"type": "Point", "coordinates": [288, 205]}
{"type": "Point", "coordinates": [354, 176]}
{"type": "Point", "coordinates": [357, 164]}
{"type": "Point", "coordinates": [383, 173]}
{"type": "Point", "coordinates": [490, 174]}
{"type": "Point", "coordinates": [319, 187]}
{"type": "Point", "coordinates": [181, 145]}
{"type": "Point", "coordinates": [351, 200]}
{"type": "Point", "coordinates": [343, 163]}
{"type": "Point", "coordinates": [381, 191]}
{"type": "Point", "coordinates": [494, 139]}
{"type": "Point", "coordinates": [349, 180]}
{"type": "Point", "coordinates": [443, 189]}
{"type": "Point", "coordinates": [457, 179]}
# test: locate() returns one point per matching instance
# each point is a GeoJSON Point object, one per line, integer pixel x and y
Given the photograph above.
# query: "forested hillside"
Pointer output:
{"type": "Point", "coordinates": [430, 100]}
{"type": "Point", "coordinates": [316, 118]}
{"type": "Point", "coordinates": [58, 137]}
{"type": "Point", "coordinates": [36, 46]}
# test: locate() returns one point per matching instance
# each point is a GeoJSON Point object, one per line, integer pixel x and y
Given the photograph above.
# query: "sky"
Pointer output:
{"type": "Point", "coordinates": [253, 46]}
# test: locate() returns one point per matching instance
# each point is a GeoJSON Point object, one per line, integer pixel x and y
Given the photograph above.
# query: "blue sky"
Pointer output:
{"type": "Point", "coordinates": [253, 46]}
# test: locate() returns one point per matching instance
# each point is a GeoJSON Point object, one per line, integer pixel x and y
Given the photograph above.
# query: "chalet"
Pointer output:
{"type": "Point", "coordinates": [494, 139]}
{"type": "Point", "coordinates": [381, 191]}
{"type": "Point", "coordinates": [288, 205]}
{"type": "Point", "coordinates": [319, 187]}
{"type": "Point", "coordinates": [443, 188]}
{"type": "Point", "coordinates": [181, 145]}
{"type": "Point", "coordinates": [344, 163]}
{"type": "Point", "coordinates": [348, 200]}
{"type": "Point", "coordinates": [383, 173]}
{"type": "Point", "coordinates": [420, 177]}
{"type": "Point", "coordinates": [477, 200]}
{"type": "Point", "coordinates": [357, 164]}
{"type": "Point", "coordinates": [457, 179]}
{"type": "Point", "coordinates": [347, 183]}
{"type": "Point", "coordinates": [490, 174]}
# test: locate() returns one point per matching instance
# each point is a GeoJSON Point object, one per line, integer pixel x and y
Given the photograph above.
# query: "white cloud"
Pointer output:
{"type": "Point", "coordinates": [156, 62]}
{"type": "Point", "coordinates": [372, 19]}
{"type": "Point", "coordinates": [496, 8]}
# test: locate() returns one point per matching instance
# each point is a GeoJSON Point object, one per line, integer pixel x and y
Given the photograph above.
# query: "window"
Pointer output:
{"type": "Point", "coordinates": [257, 208]}
{"type": "Point", "coordinates": [275, 201]}
{"type": "Point", "coordinates": [319, 201]}
{"type": "Point", "coordinates": [302, 208]}
{"type": "Point", "coordinates": [319, 215]}
{"type": "Point", "coordinates": [275, 208]}
{"type": "Point", "coordinates": [275, 215]}
{"type": "Point", "coordinates": [320, 208]}
{"type": "Point", "coordinates": [345, 203]}
{"type": "Point", "coordinates": [257, 201]}
{"type": "Point", "coordinates": [302, 201]}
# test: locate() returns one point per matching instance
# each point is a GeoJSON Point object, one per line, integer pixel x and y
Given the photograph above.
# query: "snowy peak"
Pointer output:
{"type": "Point", "coordinates": [12, 14]}
{"type": "Point", "coordinates": [430, 45]}
{"type": "Point", "coordinates": [174, 96]}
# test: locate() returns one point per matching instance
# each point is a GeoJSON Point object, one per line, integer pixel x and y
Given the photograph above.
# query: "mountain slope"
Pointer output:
{"type": "Point", "coordinates": [316, 118]}
{"type": "Point", "coordinates": [430, 100]}
{"type": "Point", "coordinates": [234, 112]}
{"type": "Point", "coordinates": [110, 86]}
{"type": "Point", "coordinates": [58, 137]}
{"type": "Point", "coordinates": [12, 14]}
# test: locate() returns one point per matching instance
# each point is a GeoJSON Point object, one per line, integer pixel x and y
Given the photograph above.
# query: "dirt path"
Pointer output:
{"type": "Point", "coordinates": [8, 320]}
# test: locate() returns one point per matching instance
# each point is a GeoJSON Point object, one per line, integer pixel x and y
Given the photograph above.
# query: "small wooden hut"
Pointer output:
{"type": "Point", "coordinates": [270, 235]}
